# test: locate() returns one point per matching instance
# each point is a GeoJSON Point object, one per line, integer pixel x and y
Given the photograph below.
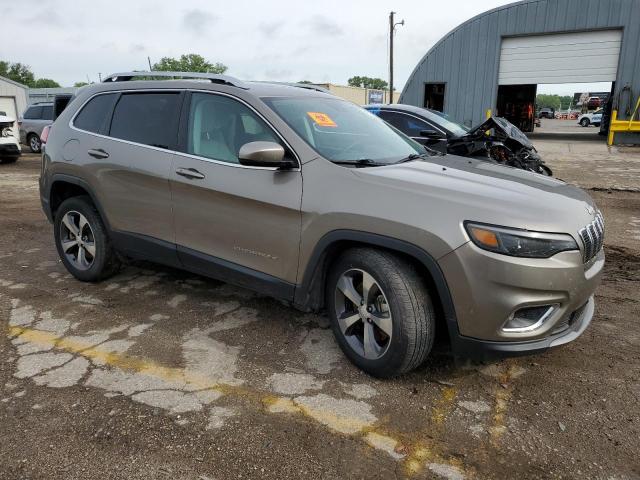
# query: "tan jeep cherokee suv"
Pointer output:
{"type": "Point", "coordinates": [311, 199]}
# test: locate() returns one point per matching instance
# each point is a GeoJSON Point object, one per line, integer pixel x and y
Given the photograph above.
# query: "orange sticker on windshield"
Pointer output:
{"type": "Point", "coordinates": [322, 119]}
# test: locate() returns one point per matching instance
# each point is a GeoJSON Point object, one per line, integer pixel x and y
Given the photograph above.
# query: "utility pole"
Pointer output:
{"type": "Point", "coordinates": [392, 27]}
{"type": "Point", "coordinates": [149, 60]}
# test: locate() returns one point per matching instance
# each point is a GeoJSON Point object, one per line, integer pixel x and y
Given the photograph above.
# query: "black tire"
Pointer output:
{"type": "Point", "coordinates": [544, 170]}
{"type": "Point", "coordinates": [8, 159]}
{"type": "Point", "coordinates": [34, 143]}
{"type": "Point", "coordinates": [584, 122]}
{"type": "Point", "coordinates": [105, 262]}
{"type": "Point", "coordinates": [409, 303]}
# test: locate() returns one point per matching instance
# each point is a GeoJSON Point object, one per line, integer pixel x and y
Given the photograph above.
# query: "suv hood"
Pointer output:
{"type": "Point", "coordinates": [477, 190]}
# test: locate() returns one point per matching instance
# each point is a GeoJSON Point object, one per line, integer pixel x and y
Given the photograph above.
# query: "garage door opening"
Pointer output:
{"type": "Point", "coordinates": [516, 103]}
{"type": "Point", "coordinates": [580, 65]}
{"type": "Point", "coordinates": [434, 96]}
{"type": "Point", "coordinates": [577, 110]}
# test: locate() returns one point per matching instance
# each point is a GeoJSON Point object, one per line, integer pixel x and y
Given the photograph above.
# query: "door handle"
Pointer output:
{"type": "Point", "coordinates": [190, 173]}
{"type": "Point", "coordinates": [98, 153]}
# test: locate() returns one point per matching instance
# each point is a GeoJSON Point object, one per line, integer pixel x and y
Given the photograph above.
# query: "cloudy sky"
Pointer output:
{"type": "Point", "coordinates": [283, 40]}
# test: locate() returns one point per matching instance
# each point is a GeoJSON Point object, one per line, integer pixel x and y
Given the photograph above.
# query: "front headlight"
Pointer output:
{"type": "Point", "coordinates": [519, 243]}
{"type": "Point", "coordinates": [6, 132]}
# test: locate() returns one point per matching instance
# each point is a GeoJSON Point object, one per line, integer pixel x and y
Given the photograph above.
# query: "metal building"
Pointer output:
{"type": "Point", "coordinates": [495, 60]}
{"type": "Point", "coordinates": [13, 101]}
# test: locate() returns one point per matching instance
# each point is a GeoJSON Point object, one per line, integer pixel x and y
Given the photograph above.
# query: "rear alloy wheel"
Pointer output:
{"type": "Point", "coordinates": [34, 143]}
{"type": "Point", "coordinates": [77, 240]}
{"type": "Point", "coordinates": [82, 241]}
{"type": "Point", "coordinates": [381, 312]}
{"type": "Point", "coordinates": [584, 122]}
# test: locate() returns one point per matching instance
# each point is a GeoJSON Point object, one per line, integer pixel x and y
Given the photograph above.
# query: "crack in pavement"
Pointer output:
{"type": "Point", "coordinates": [313, 407]}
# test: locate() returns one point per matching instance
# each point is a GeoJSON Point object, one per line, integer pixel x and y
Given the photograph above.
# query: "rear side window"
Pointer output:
{"type": "Point", "coordinates": [147, 118]}
{"type": "Point", "coordinates": [47, 112]}
{"type": "Point", "coordinates": [94, 115]}
{"type": "Point", "coordinates": [33, 113]}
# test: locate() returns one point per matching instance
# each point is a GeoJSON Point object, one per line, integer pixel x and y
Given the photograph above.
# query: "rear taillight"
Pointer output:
{"type": "Point", "coordinates": [45, 134]}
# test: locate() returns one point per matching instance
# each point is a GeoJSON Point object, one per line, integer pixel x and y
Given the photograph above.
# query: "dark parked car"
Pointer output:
{"type": "Point", "coordinates": [547, 113]}
{"type": "Point", "coordinates": [495, 139]}
{"type": "Point", "coordinates": [593, 103]}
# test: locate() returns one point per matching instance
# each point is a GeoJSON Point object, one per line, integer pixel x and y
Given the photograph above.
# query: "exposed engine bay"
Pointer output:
{"type": "Point", "coordinates": [501, 141]}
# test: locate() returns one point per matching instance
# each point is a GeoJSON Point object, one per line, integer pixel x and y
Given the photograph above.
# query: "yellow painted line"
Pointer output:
{"type": "Point", "coordinates": [417, 453]}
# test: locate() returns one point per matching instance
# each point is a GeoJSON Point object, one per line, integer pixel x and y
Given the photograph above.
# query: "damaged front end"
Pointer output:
{"type": "Point", "coordinates": [9, 144]}
{"type": "Point", "coordinates": [500, 140]}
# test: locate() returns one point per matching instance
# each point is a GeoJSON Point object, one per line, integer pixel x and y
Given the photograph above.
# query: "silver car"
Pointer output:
{"type": "Point", "coordinates": [34, 119]}
{"type": "Point", "coordinates": [310, 199]}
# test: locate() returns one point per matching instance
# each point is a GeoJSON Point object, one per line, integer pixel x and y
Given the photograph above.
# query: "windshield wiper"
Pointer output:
{"type": "Point", "coordinates": [363, 162]}
{"type": "Point", "coordinates": [414, 156]}
{"type": "Point", "coordinates": [417, 156]}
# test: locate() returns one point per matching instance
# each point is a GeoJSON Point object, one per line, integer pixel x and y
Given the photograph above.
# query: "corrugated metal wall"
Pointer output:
{"type": "Point", "coordinates": [467, 58]}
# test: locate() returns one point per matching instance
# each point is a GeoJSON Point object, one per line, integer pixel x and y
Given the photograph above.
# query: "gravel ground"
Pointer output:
{"type": "Point", "coordinates": [157, 374]}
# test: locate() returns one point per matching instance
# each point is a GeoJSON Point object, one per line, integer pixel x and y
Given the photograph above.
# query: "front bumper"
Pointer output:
{"type": "Point", "coordinates": [483, 349]}
{"type": "Point", "coordinates": [487, 288]}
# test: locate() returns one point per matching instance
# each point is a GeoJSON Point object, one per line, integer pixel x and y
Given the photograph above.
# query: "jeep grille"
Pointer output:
{"type": "Point", "coordinates": [592, 237]}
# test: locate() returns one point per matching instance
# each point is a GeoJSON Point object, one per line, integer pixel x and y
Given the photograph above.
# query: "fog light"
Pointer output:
{"type": "Point", "coordinates": [529, 318]}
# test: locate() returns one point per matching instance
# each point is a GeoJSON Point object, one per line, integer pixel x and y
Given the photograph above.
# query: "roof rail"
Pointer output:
{"type": "Point", "coordinates": [307, 86]}
{"type": "Point", "coordinates": [212, 77]}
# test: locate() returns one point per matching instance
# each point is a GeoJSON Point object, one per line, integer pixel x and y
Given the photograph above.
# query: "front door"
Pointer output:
{"type": "Point", "coordinates": [237, 223]}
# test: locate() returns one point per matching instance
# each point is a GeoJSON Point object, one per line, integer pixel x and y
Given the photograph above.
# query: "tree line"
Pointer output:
{"type": "Point", "coordinates": [557, 102]}
{"type": "Point", "coordinates": [191, 62]}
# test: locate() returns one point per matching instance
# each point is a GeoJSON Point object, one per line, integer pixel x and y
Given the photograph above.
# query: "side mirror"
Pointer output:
{"type": "Point", "coordinates": [263, 154]}
{"type": "Point", "coordinates": [431, 134]}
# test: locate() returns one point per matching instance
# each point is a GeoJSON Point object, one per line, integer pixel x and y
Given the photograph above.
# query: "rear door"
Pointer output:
{"type": "Point", "coordinates": [232, 221]}
{"type": "Point", "coordinates": [126, 146]}
{"type": "Point", "coordinates": [46, 118]}
{"type": "Point", "coordinates": [143, 135]}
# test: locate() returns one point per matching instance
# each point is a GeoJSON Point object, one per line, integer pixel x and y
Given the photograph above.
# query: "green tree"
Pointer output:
{"type": "Point", "coordinates": [306, 82]}
{"type": "Point", "coordinates": [45, 83]}
{"type": "Point", "coordinates": [80, 84]}
{"type": "Point", "coordinates": [368, 82]}
{"type": "Point", "coordinates": [17, 72]}
{"type": "Point", "coordinates": [191, 62]}
{"type": "Point", "coordinates": [553, 101]}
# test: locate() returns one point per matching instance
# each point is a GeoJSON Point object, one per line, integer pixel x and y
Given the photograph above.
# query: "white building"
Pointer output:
{"type": "Point", "coordinates": [13, 100]}
{"type": "Point", "coordinates": [13, 97]}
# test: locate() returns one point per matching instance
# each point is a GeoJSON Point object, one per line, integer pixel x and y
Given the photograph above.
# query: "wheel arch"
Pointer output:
{"type": "Point", "coordinates": [310, 293]}
{"type": "Point", "coordinates": [63, 187]}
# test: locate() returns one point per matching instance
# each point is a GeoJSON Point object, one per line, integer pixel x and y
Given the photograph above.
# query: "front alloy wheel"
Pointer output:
{"type": "Point", "coordinates": [363, 314]}
{"type": "Point", "coordinates": [380, 310]}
